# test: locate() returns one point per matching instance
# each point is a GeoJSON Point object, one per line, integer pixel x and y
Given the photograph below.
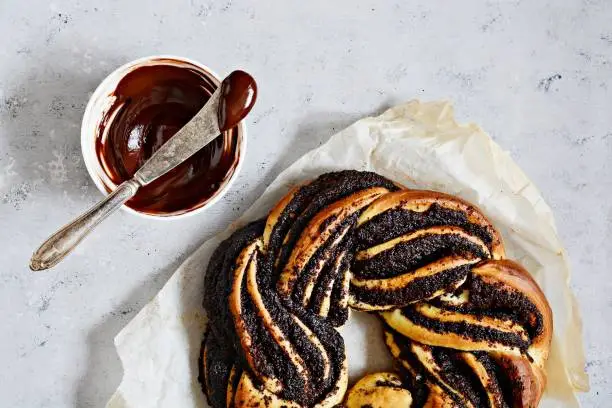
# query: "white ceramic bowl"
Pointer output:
{"type": "Point", "coordinates": [102, 100]}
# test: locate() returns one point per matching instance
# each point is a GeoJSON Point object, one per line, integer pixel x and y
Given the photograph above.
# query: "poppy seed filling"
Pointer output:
{"type": "Point", "coordinates": [467, 327]}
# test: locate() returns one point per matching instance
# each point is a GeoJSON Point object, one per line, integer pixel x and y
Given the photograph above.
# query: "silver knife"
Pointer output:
{"type": "Point", "coordinates": [227, 106]}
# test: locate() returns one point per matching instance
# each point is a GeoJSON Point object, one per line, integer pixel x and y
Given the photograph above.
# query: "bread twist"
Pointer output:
{"type": "Point", "coordinates": [466, 327]}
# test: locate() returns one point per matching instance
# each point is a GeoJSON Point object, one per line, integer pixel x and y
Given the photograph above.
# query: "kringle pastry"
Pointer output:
{"type": "Point", "coordinates": [466, 327]}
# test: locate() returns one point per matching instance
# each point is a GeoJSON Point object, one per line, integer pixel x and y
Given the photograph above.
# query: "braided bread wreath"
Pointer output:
{"type": "Point", "coordinates": [466, 327]}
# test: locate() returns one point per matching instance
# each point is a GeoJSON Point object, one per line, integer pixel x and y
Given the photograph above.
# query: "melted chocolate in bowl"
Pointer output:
{"type": "Point", "coordinates": [151, 103]}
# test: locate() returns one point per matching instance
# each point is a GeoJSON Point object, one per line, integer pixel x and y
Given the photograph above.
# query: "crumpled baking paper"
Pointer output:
{"type": "Point", "coordinates": [416, 144]}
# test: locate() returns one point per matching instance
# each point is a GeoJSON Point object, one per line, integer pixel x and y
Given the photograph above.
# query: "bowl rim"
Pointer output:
{"type": "Point", "coordinates": [92, 164]}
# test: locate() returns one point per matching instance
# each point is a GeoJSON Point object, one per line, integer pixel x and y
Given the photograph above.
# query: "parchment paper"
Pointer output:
{"type": "Point", "coordinates": [419, 145]}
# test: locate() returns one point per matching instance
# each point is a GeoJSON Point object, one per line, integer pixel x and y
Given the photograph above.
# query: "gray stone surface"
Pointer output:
{"type": "Point", "coordinates": [536, 74]}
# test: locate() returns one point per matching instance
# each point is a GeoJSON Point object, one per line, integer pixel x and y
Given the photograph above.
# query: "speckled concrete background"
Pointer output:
{"type": "Point", "coordinates": [535, 74]}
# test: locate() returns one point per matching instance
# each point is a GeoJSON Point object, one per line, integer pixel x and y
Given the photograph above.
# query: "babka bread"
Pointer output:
{"type": "Point", "coordinates": [466, 327]}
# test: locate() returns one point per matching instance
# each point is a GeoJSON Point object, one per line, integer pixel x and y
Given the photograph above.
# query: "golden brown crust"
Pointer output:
{"type": "Point", "coordinates": [379, 390]}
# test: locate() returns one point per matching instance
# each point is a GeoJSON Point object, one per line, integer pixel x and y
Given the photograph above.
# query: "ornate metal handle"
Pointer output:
{"type": "Point", "coordinates": [66, 239]}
